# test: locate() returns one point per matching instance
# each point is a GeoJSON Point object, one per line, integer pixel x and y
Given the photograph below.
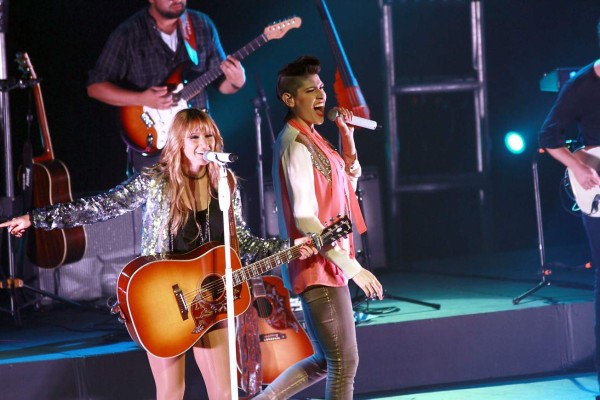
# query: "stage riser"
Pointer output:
{"type": "Point", "coordinates": [409, 355]}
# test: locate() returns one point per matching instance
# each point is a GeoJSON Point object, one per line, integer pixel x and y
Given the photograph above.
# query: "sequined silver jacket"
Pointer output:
{"type": "Point", "coordinates": [151, 194]}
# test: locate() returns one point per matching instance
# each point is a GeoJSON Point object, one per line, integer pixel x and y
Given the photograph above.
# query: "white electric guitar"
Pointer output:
{"type": "Point", "coordinates": [587, 200]}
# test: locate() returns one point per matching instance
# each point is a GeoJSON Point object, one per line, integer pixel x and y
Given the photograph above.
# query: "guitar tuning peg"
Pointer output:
{"type": "Point", "coordinates": [339, 215]}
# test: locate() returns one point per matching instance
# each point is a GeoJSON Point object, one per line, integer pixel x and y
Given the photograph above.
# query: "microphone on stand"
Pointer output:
{"type": "Point", "coordinates": [262, 98]}
{"type": "Point", "coordinates": [355, 121]}
{"type": "Point", "coordinates": [220, 157]}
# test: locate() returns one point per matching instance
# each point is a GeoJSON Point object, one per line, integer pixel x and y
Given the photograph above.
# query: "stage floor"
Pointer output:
{"type": "Point", "coordinates": [427, 346]}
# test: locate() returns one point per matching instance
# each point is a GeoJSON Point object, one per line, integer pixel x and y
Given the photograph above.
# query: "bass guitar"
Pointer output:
{"type": "Point", "coordinates": [146, 129]}
{"type": "Point", "coordinates": [588, 201]}
{"type": "Point", "coordinates": [283, 341]}
{"type": "Point", "coordinates": [51, 185]}
{"type": "Point", "coordinates": [346, 88]}
{"type": "Point", "coordinates": [168, 302]}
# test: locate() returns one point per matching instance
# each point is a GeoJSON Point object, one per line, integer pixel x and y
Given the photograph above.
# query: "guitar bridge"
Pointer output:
{"type": "Point", "coordinates": [180, 299]}
{"type": "Point", "coordinates": [271, 337]}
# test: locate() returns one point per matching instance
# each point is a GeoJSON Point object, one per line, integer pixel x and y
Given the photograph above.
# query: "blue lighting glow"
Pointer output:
{"type": "Point", "coordinates": [514, 142]}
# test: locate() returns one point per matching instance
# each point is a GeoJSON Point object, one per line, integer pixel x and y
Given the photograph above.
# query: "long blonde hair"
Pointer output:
{"type": "Point", "coordinates": [170, 164]}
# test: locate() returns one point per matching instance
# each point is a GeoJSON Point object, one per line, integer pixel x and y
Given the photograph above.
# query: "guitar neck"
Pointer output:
{"type": "Point", "coordinates": [266, 264]}
{"type": "Point", "coordinates": [48, 153]}
{"type": "Point", "coordinates": [336, 46]}
{"type": "Point", "coordinates": [198, 84]}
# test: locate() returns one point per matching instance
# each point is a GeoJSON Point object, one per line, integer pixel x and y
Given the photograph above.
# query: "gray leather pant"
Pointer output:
{"type": "Point", "coordinates": [330, 324]}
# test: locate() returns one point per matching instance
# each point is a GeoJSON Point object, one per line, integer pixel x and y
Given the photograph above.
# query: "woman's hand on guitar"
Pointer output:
{"type": "Point", "coordinates": [369, 284]}
{"type": "Point", "coordinates": [307, 250]}
{"type": "Point", "coordinates": [17, 225]}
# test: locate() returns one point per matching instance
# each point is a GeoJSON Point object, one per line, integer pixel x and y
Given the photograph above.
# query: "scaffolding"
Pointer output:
{"type": "Point", "coordinates": [474, 81]}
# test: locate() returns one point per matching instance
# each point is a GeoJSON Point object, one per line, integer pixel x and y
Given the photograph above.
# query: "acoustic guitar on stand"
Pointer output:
{"type": "Point", "coordinates": [146, 129]}
{"type": "Point", "coordinates": [51, 185]}
{"type": "Point", "coordinates": [588, 201]}
{"type": "Point", "coordinates": [283, 341]}
{"type": "Point", "coordinates": [168, 302]}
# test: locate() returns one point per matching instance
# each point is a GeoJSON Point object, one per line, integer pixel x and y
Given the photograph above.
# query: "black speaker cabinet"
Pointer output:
{"type": "Point", "coordinates": [368, 184]}
{"type": "Point", "coordinates": [110, 246]}
{"type": "Point", "coordinates": [271, 210]}
{"type": "Point", "coordinates": [372, 212]}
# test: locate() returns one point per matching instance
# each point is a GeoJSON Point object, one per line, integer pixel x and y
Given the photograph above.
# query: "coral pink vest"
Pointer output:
{"type": "Point", "coordinates": [335, 196]}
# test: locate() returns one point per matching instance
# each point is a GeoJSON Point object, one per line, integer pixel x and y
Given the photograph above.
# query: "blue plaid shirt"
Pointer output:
{"type": "Point", "coordinates": [135, 57]}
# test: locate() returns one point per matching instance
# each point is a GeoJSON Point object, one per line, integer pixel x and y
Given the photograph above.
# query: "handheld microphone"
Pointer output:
{"type": "Point", "coordinates": [355, 121]}
{"type": "Point", "coordinates": [220, 157]}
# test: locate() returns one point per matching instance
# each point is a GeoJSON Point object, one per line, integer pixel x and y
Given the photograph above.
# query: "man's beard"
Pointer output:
{"type": "Point", "coordinates": [171, 14]}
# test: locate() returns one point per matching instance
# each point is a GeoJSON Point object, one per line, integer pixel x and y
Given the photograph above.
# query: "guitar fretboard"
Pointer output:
{"type": "Point", "coordinates": [266, 264]}
{"type": "Point", "coordinates": [329, 235]}
{"type": "Point", "coordinates": [194, 87]}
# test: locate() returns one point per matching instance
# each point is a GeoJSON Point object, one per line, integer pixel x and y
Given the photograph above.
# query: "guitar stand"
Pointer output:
{"type": "Point", "coordinates": [365, 255]}
{"type": "Point", "coordinates": [15, 286]}
{"type": "Point", "coordinates": [544, 271]}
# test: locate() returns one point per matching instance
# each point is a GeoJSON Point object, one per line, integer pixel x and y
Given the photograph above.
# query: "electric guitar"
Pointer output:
{"type": "Point", "coordinates": [283, 341]}
{"type": "Point", "coordinates": [146, 129]}
{"type": "Point", "coordinates": [51, 185]}
{"type": "Point", "coordinates": [168, 302]}
{"type": "Point", "coordinates": [588, 201]}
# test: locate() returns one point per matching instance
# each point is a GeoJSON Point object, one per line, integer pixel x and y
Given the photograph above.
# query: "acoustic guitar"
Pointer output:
{"type": "Point", "coordinates": [283, 341]}
{"type": "Point", "coordinates": [168, 302]}
{"type": "Point", "coordinates": [51, 184]}
{"type": "Point", "coordinates": [146, 129]}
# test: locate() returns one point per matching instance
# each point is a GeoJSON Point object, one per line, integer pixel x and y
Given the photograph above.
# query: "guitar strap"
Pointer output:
{"type": "Point", "coordinates": [189, 37]}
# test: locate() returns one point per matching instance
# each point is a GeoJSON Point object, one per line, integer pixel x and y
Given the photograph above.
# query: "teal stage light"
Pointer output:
{"type": "Point", "coordinates": [514, 142]}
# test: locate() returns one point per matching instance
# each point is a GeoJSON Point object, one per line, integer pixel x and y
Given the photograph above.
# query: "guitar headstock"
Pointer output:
{"type": "Point", "coordinates": [25, 65]}
{"type": "Point", "coordinates": [277, 30]}
{"type": "Point", "coordinates": [338, 229]}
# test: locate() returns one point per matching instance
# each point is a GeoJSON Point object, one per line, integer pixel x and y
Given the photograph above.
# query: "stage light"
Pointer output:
{"type": "Point", "coordinates": [514, 142]}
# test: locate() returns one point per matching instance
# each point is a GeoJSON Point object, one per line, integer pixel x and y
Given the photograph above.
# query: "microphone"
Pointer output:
{"type": "Point", "coordinates": [355, 121]}
{"type": "Point", "coordinates": [219, 157]}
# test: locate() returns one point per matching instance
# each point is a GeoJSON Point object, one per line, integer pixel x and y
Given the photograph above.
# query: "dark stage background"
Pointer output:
{"type": "Point", "coordinates": [523, 39]}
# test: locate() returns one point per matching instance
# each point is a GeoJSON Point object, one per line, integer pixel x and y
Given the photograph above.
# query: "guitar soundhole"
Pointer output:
{"type": "Point", "coordinates": [212, 288]}
{"type": "Point", "coordinates": [263, 307]}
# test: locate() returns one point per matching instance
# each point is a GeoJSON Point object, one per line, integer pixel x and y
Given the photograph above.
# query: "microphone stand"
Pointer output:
{"type": "Point", "coordinates": [259, 166]}
{"type": "Point", "coordinates": [366, 255]}
{"type": "Point", "coordinates": [260, 102]}
{"type": "Point", "coordinates": [224, 204]}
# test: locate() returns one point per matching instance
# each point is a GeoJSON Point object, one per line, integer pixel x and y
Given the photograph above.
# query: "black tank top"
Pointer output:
{"type": "Point", "coordinates": [188, 238]}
